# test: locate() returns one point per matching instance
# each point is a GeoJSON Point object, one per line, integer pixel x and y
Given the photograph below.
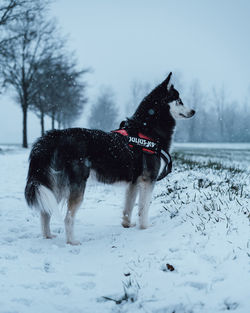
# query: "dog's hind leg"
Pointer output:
{"type": "Point", "coordinates": [131, 194]}
{"type": "Point", "coordinates": [74, 201]}
{"type": "Point", "coordinates": [45, 224]}
{"type": "Point", "coordinates": [145, 195]}
{"type": "Point", "coordinates": [45, 202]}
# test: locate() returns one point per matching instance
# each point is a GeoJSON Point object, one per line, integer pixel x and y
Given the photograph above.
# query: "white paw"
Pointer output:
{"type": "Point", "coordinates": [50, 236]}
{"type": "Point", "coordinates": [144, 226]}
{"type": "Point", "coordinates": [73, 242]}
{"type": "Point", "coordinates": [126, 224]}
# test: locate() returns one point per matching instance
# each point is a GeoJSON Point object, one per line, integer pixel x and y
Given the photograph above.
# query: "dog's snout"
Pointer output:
{"type": "Point", "coordinates": [192, 112]}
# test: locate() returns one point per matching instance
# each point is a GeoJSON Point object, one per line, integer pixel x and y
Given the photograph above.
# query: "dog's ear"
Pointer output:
{"type": "Point", "coordinates": [167, 80]}
{"type": "Point", "coordinates": [165, 83]}
{"type": "Point", "coordinates": [160, 91]}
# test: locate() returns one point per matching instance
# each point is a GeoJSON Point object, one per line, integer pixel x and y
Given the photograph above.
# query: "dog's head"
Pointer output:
{"type": "Point", "coordinates": [176, 107]}
{"type": "Point", "coordinates": [165, 99]}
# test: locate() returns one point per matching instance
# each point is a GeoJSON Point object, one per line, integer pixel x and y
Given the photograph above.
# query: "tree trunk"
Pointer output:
{"type": "Point", "coordinates": [53, 121]}
{"type": "Point", "coordinates": [42, 122]}
{"type": "Point", "coordinates": [25, 111]}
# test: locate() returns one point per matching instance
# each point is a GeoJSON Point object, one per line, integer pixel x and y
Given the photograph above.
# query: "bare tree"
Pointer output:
{"type": "Point", "coordinates": [196, 100]}
{"type": "Point", "coordinates": [38, 103]}
{"type": "Point", "coordinates": [66, 92]}
{"type": "Point", "coordinates": [9, 10]}
{"type": "Point", "coordinates": [59, 91]}
{"type": "Point", "coordinates": [71, 105]}
{"type": "Point", "coordinates": [245, 118]}
{"type": "Point", "coordinates": [104, 111]}
{"type": "Point", "coordinates": [217, 119]}
{"type": "Point", "coordinates": [33, 43]}
{"type": "Point", "coordinates": [238, 123]}
{"type": "Point", "coordinates": [221, 105]}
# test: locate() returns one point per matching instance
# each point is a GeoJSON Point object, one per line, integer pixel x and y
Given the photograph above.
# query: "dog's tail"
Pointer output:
{"type": "Point", "coordinates": [40, 198]}
{"type": "Point", "coordinates": [39, 190]}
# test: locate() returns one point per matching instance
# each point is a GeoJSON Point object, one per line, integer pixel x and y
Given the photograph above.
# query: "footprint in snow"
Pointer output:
{"type": "Point", "coordinates": [63, 291]}
{"type": "Point", "coordinates": [230, 305]}
{"type": "Point", "coordinates": [14, 230]}
{"type": "Point", "coordinates": [48, 268]}
{"type": "Point", "coordinates": [87, 274]}
{"type": "Point", "coordinates": [10, 257]}
{"type": "Point", "coordinates": [197, 285]}
{"type": "Point", "coordinates": [35, 250]}
{"type": "Point", "coordinates": [75, 250]}
{"type": "Point", "coordinates": [22, 301]}
{"type": "Point", "coordinates": [52, 284]}
{"type": "Point", "coordinates": [27, 236]}
{"type": "Point", "coordinates": [87, 285]}
{"type": "Point", "coordinates": [8, 240]}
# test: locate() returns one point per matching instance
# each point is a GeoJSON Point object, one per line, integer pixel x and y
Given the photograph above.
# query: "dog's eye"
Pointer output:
{"type": "Point", "coordinates": [179, 102]}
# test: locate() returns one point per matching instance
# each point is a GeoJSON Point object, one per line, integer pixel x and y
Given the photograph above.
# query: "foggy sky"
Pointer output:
{"type": "Point", "coordinates": [143, 40]}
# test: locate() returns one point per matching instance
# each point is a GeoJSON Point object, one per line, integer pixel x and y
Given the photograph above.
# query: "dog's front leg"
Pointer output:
{"type": "Point", "coordinates": [131, 194]}
{"type": "Point", "coordinates": [145, 195]}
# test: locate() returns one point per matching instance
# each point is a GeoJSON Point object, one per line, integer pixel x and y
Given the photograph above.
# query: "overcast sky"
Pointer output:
{"type": "Point", "coordinates": [127, 40]}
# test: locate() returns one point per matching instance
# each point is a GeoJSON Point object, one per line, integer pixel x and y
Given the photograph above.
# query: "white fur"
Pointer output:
{"type": "Point", "coordinates": [179, 111]}
{"type": "Point", "coordinates": [46, 200]}
{"type": "Point", "coordinates": [69, 229]}
{"type": "Point", "coordinates": [45, 224]}
{"type": "Point", "coordinates": [145, 188]}
{"type": "Point", "coordinates": [145, 195]}
{"type": "Point", "coordinates": [131, 194]}
{"type": "Point", "coordinates": [46, 204]}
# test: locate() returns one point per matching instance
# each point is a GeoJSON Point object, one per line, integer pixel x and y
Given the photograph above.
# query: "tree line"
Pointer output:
{"type": "Point", "coordinates": [217, 118]}
{"type": "Point", "coordinates": [37, 66]}
{"type": "Point", "coordinates": [35, 63]}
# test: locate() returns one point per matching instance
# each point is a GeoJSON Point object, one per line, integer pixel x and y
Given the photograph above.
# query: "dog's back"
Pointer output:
{"type": "Point", "coordinates": [63, 158]}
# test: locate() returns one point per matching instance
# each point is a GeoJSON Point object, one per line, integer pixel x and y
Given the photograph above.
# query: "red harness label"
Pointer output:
{"type": "Point", "coordinates": [145, 142]}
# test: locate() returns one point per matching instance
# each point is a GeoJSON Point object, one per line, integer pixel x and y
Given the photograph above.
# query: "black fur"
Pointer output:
{"type": "Point", "coordinates": [63, 158]}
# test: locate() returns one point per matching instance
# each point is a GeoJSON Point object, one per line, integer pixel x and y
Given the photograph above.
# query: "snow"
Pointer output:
{"type": "Point", "coordinates": [214, 145]}
{"type": "Point", "coordinates": [200, 226]}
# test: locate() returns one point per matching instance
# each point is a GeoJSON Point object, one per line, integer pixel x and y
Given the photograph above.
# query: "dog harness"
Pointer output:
{"type": "Point", "coordinates": [149, 146]}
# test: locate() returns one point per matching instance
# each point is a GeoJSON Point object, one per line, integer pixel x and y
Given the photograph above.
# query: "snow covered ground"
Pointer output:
{"type": "Point", "coordinates": [194, 258]}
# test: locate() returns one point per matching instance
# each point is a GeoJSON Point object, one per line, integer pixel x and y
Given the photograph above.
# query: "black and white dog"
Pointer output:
{"type": "Point", "coordinates": [61, 161]}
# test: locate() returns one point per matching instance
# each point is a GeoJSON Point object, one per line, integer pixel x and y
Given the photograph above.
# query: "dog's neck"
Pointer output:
{"type": "Point", "coordinates": [151, 123]}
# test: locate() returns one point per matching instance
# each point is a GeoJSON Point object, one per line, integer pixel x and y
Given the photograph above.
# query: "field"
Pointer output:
{"type": "Point", "coordinates": [194, 258]}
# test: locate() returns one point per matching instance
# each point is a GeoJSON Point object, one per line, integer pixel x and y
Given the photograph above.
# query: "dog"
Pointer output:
{"type": "Point", "coordinates": [61, 160]}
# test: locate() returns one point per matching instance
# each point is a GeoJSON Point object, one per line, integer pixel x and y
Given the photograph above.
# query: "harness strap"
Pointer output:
{"type": "Point", "coordinates": [168, 165]}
